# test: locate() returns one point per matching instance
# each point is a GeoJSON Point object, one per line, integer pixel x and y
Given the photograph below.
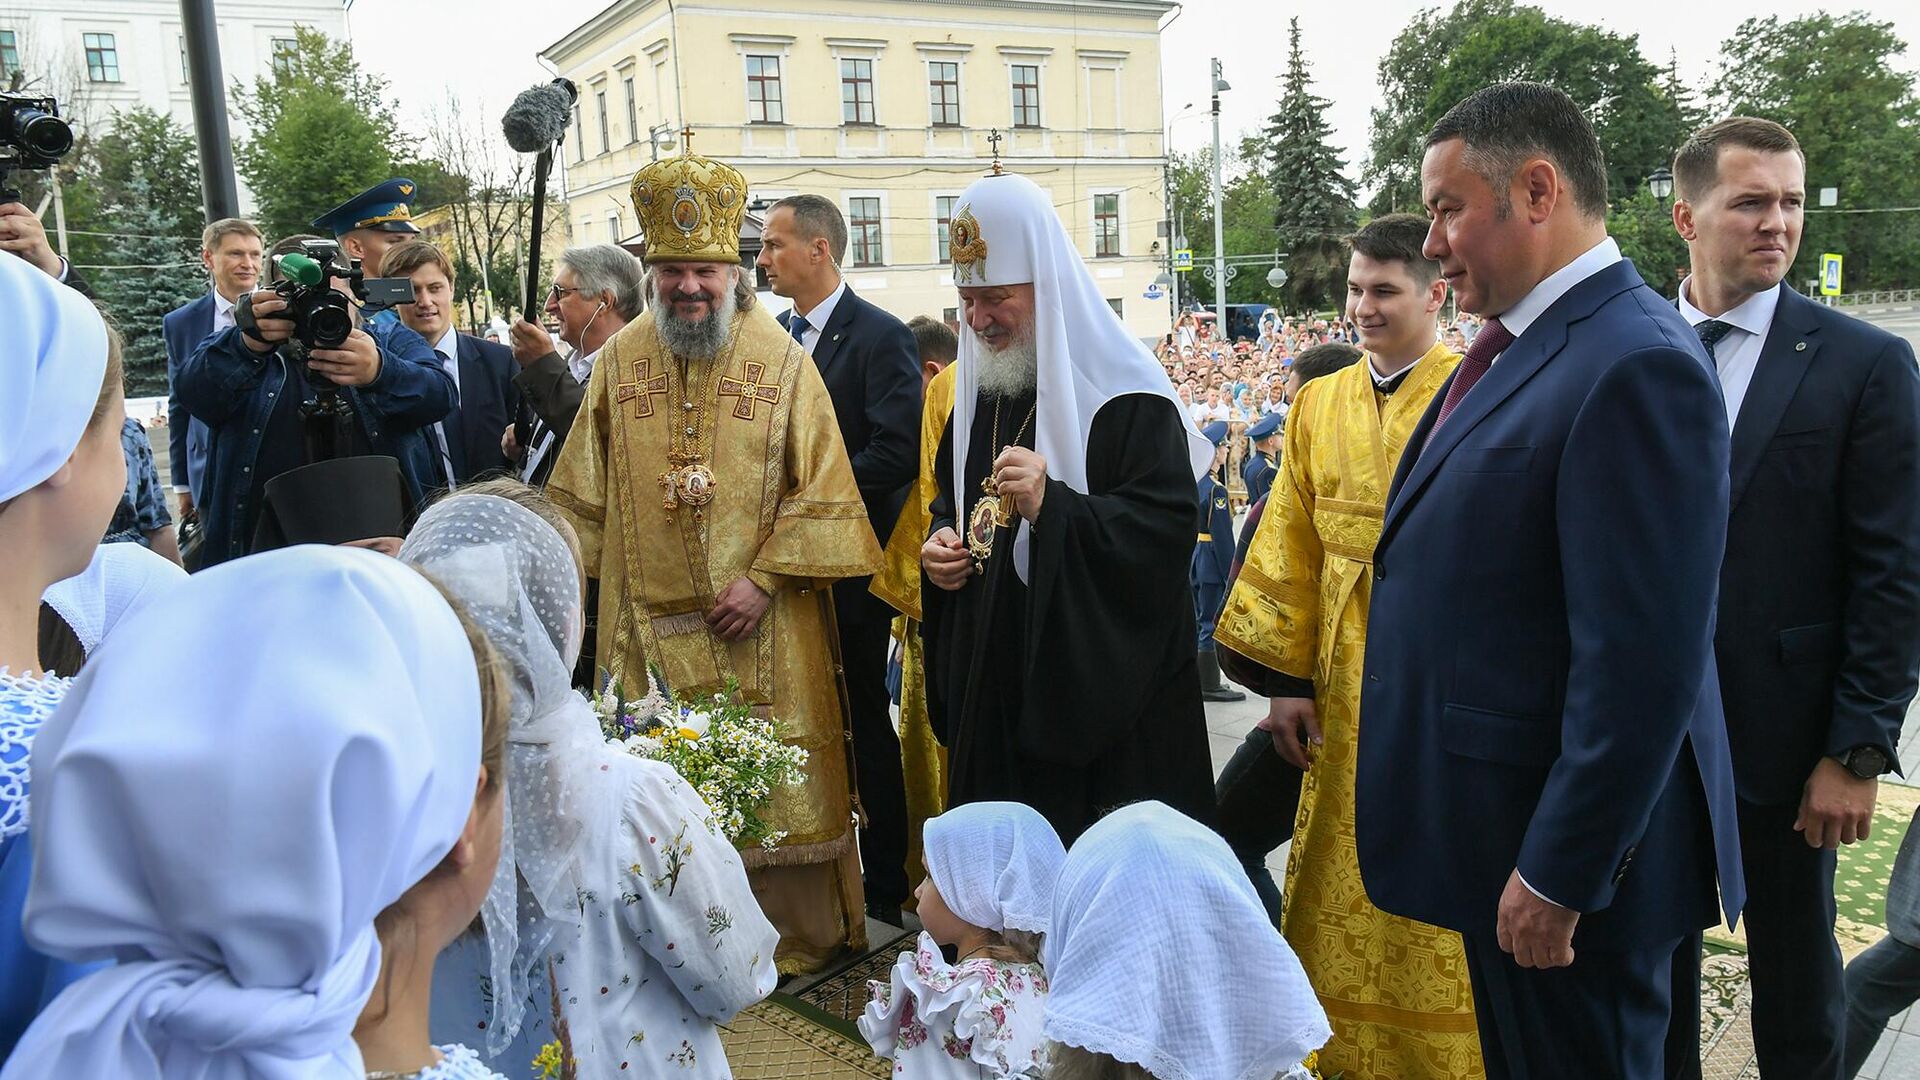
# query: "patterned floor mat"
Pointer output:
{"type": "Point", "coordinates": [843, 993]}
{"type": "Point", "coordinates": [784, 1038]}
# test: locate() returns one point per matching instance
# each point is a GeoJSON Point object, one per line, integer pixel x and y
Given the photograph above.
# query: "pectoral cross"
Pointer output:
{"type": "Point", "coordinates": [750, 392]}
{"type": "Point", "coordinates": [642, 389]}
{"type": "Point", "coordinates": [993, 140]}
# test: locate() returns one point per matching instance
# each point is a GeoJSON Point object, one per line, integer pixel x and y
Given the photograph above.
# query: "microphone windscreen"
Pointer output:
{"type": "Point", "coordinates": [537, 118]}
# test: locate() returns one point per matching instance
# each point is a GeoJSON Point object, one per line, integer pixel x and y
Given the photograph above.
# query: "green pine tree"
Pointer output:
{"type": "Point", "coordinates": [150, 273]}
{"type": "Point", "coordinates": [1314, 199]}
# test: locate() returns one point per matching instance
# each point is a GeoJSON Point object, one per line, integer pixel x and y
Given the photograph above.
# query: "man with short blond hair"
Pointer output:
{"type": "Point", "coordinates": [234, 254]}
{"type": "Point", "coordinates": [1818, 639]}
{"type": "Point", "coordinates": [467, 441]}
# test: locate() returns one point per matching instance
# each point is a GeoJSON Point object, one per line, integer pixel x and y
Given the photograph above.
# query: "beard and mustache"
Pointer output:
{"type": "Point", "coordinates": [1010, 372]}
{"type": "Point", "coordinates": [699, 339]}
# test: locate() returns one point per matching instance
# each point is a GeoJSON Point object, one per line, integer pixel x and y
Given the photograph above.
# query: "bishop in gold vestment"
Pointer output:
{"type": "Point", "coordinates": [1396, 991]}
{"type": "Point", "coordinates": [686, 474]}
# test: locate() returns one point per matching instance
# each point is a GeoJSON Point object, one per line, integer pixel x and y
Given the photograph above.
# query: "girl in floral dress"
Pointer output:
{"type": "Point", "coordinates": [620, 930]}
{"type": "Point", "coordinates": [61, 473]}
{"type": "Point", "coordinates": [991, 869]}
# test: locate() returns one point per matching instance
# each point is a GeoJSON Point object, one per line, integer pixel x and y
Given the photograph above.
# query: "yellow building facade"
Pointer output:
{"type": "Point", "coordinates": [886, 107]}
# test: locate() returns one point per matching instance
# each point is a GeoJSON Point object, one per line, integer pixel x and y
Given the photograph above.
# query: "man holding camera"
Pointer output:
{"type": "Point", "coordinates": [265, 394]}
{"type": "Point", "coordinates": [369, 224]}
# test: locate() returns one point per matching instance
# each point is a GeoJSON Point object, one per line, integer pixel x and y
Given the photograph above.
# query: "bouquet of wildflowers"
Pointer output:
{"type": "Point", "coordinates": [734, 759]}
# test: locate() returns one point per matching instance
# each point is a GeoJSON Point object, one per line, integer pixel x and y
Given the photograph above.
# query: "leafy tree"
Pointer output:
{"type": "Point", "coordinates": [323, 130]}
{"type": "Point", "coordinates": [144, 159]}
{"type": "Point", "coordinates": [1834, 81]}
{"type": "Point", "coordinates": [1248, 212]}
{"type": "Point", "coordinates": [1643, 227]}
{"type": "Point", "coordinates": [1437, 60]}
{"type": "Point", "coordinates": [152, 274]}
{"type": "Point", "coordinates": [1313, 199]}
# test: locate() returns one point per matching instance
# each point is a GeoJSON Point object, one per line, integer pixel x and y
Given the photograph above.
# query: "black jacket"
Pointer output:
{"type": "Point", "coordinates": [1818, 639]}
{"type": "Point", "coordinates": [871, 367]}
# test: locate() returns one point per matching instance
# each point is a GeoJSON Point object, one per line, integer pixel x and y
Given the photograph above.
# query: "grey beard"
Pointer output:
{"type": "Point", "coordinates": [1011, 372]}
{"type": "Point", "coordinates": [697, 339]}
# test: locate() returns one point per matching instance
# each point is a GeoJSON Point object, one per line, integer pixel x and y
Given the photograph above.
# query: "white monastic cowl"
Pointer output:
{"type": "Point", "coordinates": [1005, 232]}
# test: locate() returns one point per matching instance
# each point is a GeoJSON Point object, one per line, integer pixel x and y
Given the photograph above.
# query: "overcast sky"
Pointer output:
{"type": "Point", "coordinates": [483, 50]}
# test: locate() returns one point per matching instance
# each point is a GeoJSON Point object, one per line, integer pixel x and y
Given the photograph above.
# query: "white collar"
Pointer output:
{"type": "Point", "coordinates": [1381, 382]}
{"type": "Point", "coordinates": [221, 305]}
{"type": "Point", "coordinates": [1754, 314]}
{"type": "Point", "coordinates": [1558, 284]}
{"type": "Point", "coordinates": [449, 343]}
{"type": "Point", "coordinates": [822, 311]}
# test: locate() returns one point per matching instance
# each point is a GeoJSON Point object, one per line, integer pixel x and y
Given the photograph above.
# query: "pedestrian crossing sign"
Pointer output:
{"type": "Point", "coordinates": [1829, 275]}
{"type": "Point", "coordinates": [1183, 261]}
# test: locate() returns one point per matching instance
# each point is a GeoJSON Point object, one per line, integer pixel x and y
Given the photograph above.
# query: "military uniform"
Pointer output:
{"type": "Point", "coordinates": [386, 207]}
{"type": "Point", "coordinates": [1212, 570]}
{"type": "Point", "coordinates": [1260, 468]}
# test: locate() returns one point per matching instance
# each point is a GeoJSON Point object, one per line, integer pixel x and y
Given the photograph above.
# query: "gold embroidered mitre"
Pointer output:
{"type": "Point", "coordinates": [690, 209]}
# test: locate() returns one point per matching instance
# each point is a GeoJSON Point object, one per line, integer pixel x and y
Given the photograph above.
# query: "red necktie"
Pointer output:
{"type": "Point", "coordinates": [1491, 341]}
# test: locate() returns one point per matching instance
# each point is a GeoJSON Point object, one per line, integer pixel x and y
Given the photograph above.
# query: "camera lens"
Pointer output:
{"type": "Point", "coordinates": [42, 133]}
{"type": "Point", "coordinates": [331, 323]}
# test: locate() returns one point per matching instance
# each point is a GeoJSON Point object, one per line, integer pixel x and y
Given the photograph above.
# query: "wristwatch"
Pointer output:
{"type": "Point", "coordinates": [1865, 762]}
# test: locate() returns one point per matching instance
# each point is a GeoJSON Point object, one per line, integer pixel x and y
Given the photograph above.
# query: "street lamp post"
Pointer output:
{"type": "Point", "coordinates": [1219, 224]}
{"type": "Point", "coordinates": [1660, 183]}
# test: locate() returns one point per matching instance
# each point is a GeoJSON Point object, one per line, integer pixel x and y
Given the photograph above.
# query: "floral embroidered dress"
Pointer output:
{"type": "Point", "coordinates": [981, 1018]}
{"type": "Point", "coordinates": [28, 980]}
{"type": "Point", "coordinates": [671, 944]}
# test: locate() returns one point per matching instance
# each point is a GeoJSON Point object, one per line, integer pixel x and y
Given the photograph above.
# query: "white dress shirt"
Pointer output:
{"type": "Point", "coordinates": [542, 435]}
{"type": "Point", "coordinates": [816, 319]}
{"type": "Point", "coordinates": [222, 310]}
{"type": "Point", "coordinates": [1737, 356]}
{"type": "Point", "coordinates": [449, 349]}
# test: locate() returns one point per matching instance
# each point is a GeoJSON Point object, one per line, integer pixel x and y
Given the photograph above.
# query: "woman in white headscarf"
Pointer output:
{"type": "Point", "coordinates": [81, 610]}
{"type": "Point", "coordinates": [991, 868]}
{"type": "Point", "coordinates": [1164, 964]}
{"type": "Point", "coordinates": [61, 473]}
{"type": "Point", "coordinates": [230, 849]}
{"type": "Point", "coordinates": [620, 923]}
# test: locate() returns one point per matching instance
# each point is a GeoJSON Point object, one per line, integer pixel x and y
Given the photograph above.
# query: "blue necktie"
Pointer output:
{"type": "Point", "coordinates": [797, 326]}
{"type": "Point", "coordinates": [1710, 333]}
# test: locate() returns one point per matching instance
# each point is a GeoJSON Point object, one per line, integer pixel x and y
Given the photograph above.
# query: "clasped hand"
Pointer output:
{"type": "Point", "coordinates": [946, 560]}
{"type": "Point", "coordinates": [736, 614]}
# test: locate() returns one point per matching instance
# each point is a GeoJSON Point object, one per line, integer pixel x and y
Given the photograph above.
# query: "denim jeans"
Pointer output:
{"type": "Point", "coordinates": [1880, 982]}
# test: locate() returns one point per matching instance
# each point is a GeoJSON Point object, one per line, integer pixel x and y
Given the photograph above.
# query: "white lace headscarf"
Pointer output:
{"type": "Point", "coordinates": [1161, 955]}
{"type": "Point", "coordinates": [518, 579]}
{"type": "Point", "coordinates": [995, 864]}
{"type": "Point", "coordinates": [229, 848]}
{"type": "Point", "coordinates": [122, 578]}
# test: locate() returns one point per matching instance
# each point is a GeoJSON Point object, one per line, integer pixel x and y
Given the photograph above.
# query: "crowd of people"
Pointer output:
{"type": "Point", "coordinates": [340, 802]}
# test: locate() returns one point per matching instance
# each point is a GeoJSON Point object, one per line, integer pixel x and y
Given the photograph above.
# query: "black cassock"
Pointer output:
{"type": "Point", "coordinates": [1076, 691]}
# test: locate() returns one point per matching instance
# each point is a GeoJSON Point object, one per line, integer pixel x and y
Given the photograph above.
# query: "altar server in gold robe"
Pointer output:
{"type": "Point", "coordinates": [1396, 991]}
{"type": "Point", "coordinates": [715, 503]}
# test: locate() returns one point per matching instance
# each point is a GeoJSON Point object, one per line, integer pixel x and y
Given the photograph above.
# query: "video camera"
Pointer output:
{"type": "Point", "coordinates": [32, 136]}
{"type": "Point", "coordinates": [322, 317]}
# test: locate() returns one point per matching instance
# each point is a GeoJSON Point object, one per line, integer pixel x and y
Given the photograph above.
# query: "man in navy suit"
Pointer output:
{"type": "Point", "coordinates": [467, 442]}
{"type": "Point", "coordinates": [872, 370]}
{"type": "Point", "coordinates": [233, 252]}
{"type": "Point", "coordinates": [1819, 635]}
{"type": "Point", "coordinates": [1543, 763]}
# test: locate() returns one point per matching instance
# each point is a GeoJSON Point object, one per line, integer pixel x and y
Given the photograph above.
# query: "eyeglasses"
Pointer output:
{"type": "Point", "coordinates": [558, 292]}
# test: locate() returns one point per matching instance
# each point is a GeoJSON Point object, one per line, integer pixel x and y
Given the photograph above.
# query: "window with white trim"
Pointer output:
{"type": "Point", "coordinates": [943, 92]}
{"type": "Point", "coordinates": [856, 90]}
{"type": "Point", "coordinates": [863, 230]}
{"type": "Point", "coordinates": [943, 226]}
{"type": "Point", "coordinates": [1026, 95]}
{"type": "Point", "coordinates": [103, 57]}
{"type": "Point", "coordinates": [766, 101]}
{"type": "Point", "coordinates": [1106, 225]}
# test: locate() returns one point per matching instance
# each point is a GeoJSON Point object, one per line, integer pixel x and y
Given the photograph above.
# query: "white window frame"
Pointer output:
{"type": "Point", "coordinates": [943, 52]}
{"type": "Point", "coordinates": [778, 46]}
{"type": "Point", "coordinates": [1119, 225]}
{"type": "Point", "coordinates": [886, 217]}
{"type": "Point", "coordinates": [1013, 56]}
{"type": "Point", "coordinates": [869, 49]}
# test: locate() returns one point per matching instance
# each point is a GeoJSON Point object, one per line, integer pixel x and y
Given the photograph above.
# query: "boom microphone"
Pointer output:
{"type": "Point", "coordinates": [538, 117]}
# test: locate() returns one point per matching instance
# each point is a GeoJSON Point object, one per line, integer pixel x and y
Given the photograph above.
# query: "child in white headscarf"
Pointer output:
{"type": "Point", "coordinates": [621, 925]}
{"type": "Point", "coordinates": [991, 868]}
{"type": "Point", "coordinates": [61, 474]}
{"type": "Point", "coordinates": [1164, 964]}
{"type": "Point", "coordinates": [230, 849]}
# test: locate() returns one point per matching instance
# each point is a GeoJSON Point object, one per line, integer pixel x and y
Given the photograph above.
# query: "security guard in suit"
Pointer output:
{"type": "Point", "coordinates": [1263, 464]}
{"type": "Point", "coordinates": [1213, 565]}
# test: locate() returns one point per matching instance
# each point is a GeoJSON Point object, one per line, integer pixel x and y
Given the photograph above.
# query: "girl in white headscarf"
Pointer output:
{"type": "Point", "coordinates": [991, 869]}
{"type": "Point", "coordinates": [1164, 964]}
{"type": "Point", "coordinates": [620, 924]}
{"type": "Point", "coordinates": [230, 849]}
{"type": "Point", "coordinates": [61, 473]}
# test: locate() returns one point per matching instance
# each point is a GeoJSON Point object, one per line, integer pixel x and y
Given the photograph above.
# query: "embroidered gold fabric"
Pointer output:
{"type": "Point", "coordinates": [661, 570]}
{"type": "Point", "coordinates": [1395, 991]}
{"type": "Point", "coordinates": [690, 209]}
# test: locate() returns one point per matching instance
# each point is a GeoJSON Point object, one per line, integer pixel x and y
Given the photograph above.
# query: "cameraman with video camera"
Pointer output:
{"type": "Point", "coordinates": [317, 414]}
